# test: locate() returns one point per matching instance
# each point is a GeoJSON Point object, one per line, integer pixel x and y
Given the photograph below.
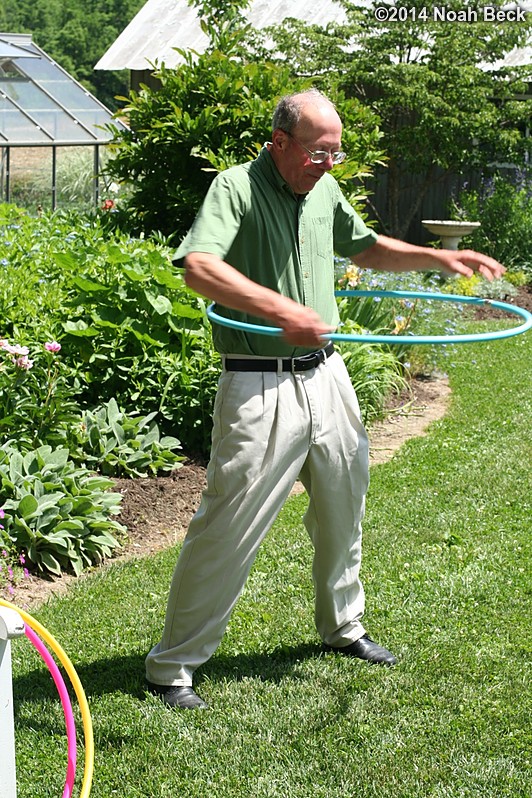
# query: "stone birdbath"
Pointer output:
{"type": "Point", "coordinates": [450, 233]}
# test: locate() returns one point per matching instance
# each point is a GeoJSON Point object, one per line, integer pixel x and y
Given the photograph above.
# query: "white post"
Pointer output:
{"type": "Point", "coordinates": [11, 626]}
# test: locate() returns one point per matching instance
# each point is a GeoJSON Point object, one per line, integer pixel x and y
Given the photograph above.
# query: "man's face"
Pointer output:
{"type": "Point", "coordinates": [318, 129]}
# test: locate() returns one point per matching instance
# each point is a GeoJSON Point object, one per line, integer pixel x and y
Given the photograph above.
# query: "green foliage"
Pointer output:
{"type": "Point", "coordinates": [129, 327]}
{"type": "Point", "coordinates": [137, 334]}
{"type": "Point", "coordinates": [117, 445]}
{"type": "Point", "coordinates": [60, 515]}
{"type": "Point", "coordinates": [375, 373]}
{"type": "Point", "coordinates": [212, 112]}
{"type": "Point", "coordinates": [76, 34]}
{"type": "Point", "coordinates": [439, 108]}
{"type": "Point", "coordinates": [139, 316]}
{"type": "Point", "coordinates": [504, 209]}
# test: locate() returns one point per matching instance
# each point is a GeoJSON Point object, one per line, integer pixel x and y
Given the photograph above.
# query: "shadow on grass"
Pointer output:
{"type": "Point", "coordinates": [125, 674]}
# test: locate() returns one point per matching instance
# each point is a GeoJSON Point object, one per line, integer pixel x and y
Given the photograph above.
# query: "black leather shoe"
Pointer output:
{"type": "Point", "coordinates": [368, 649]}
{"type": "Point", "coordinates": [178, 697]}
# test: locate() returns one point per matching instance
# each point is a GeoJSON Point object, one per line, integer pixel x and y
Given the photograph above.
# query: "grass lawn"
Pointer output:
{"type": "Point", "coordinates": [447, 574]}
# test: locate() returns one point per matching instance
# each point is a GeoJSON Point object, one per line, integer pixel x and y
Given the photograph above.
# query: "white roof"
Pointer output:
{"type": "Point", "coordinates": [162, 25]}
{"type": "Point", "coordinates": [519, 56]}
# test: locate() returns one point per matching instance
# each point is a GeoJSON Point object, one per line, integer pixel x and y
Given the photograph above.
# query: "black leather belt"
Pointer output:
{"type": "Point", "coordinates": [292, 364]}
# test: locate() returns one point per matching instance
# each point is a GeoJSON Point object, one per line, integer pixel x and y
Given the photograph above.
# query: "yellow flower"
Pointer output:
{"type": "Point", "coordinates": [352, 276]}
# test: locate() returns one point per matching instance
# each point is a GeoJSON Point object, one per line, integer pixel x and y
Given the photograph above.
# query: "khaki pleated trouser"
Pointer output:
{"type": "Point", "coordinates": [269, 430]}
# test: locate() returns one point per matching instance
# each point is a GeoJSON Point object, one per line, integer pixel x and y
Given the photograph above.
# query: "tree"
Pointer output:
{"type": "Point", "coordinates": [442, 101]}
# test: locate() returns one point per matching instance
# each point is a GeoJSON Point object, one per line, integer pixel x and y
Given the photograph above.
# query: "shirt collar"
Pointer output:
{"type": "Point", "coordinates": [267, 166]}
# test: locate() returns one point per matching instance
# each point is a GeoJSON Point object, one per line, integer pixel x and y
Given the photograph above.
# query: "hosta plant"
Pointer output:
{"type": "Point", "coordinates": [61, 515]}
{"type": "Point", "coordinates": [118, 444]}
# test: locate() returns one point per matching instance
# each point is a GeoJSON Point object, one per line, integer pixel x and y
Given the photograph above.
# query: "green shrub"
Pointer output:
{"type": "Point", "coordinates": [129, 327]}
{"type": "Point", "coordinates": [375, 373]}
{"type": "Point", "coordinates": [59, 514]}
{"type": "Point", "coordinates": [504, 210]}
{"type": "Point", "coordinates": [137, 334]}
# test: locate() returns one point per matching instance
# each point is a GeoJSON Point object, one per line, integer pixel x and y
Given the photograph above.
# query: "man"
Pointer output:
{"type": "Point", "coordinates": [262, 247]}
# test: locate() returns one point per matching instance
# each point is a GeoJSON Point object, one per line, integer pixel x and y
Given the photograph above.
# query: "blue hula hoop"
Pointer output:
{"type": "Point", "coordinates": [370, 338]}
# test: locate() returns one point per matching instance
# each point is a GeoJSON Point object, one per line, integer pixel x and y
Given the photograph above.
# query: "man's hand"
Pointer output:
{"type": "Point", "coordinates": [466, 262]}
{"type": "Point", "coordinates": [212, 277]}
{"type": "Point", "coordinates": [392, 255]}
{"type": "Point", "coordinates": [303, 327]}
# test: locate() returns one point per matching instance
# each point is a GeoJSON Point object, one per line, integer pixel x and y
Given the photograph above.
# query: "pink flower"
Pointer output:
{"type": "Point", "coordinates": [24, 362]}
{"type": "Point", "coordinates": [16, 350]}
{"type": "Point", "coordinates": [52, 346]}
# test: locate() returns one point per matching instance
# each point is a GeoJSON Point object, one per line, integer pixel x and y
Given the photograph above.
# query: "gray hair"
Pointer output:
{"type": "Point", "coordinates": [288, 110]}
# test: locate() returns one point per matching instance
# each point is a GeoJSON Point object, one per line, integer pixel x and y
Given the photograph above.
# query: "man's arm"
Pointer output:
{"type": "Point", "coordinates": [214, 278]}
{"type": "Point", "coordinates": [390, 254]}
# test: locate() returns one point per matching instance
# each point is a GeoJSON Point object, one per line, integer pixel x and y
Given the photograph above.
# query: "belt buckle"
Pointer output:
{"type": "Point", "coordinates": [307, 362]}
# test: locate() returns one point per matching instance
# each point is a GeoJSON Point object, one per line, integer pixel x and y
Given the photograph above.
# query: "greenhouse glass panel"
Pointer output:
{"type": "Point", "coordinates": [48, 97]}
{"type": "Point", "coordinates": [69, 94]}
{"type": "Point", "coordinates": [52, 130]}
{"type": "Point", "coordinates": [15, 126]}
{"type": "Point", "coordinates": [28, 95]}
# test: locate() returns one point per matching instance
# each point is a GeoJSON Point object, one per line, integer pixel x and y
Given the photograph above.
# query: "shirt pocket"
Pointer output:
{"type": "Point", "coordinates": [320, 232]}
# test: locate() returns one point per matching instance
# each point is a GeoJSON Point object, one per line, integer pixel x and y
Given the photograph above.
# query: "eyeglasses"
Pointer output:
{"type": "Point", "coordinates": [320, 156]}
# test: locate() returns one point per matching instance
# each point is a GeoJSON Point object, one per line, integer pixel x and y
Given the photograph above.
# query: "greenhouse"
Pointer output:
{"type": "Point", "coordinates": [52, 130]}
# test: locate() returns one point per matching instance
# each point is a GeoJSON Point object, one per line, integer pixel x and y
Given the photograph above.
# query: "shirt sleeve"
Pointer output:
{"type": "Point", "coordinates": [351, 235]}
{"type": "Point", "coordinates": [218, 220]}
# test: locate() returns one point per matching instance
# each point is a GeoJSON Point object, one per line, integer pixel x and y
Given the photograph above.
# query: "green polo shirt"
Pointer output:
{"type": "Point", "coordinates": [253, 220]}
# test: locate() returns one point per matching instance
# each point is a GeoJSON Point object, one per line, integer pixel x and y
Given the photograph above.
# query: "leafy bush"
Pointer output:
{"type": "Point", "coordinates": [504, 210]}
{"type": "Point", "coordinates": [375, 373]}
{"type": "Point", "coordinates": [137, 334]}
{"type": "Point", "coordinates": [60, 515]}
{"type": "Point", "coordinates": [129, 327]}
{"type": "Point", "coordinates": [180, 136]}
{"type": "Point", "coordinates": [117, 444]}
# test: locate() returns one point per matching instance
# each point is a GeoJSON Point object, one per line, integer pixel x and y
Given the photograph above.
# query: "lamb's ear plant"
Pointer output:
{"type": "Point", "coordinates": [61, 515]}
{"type": "Point", "coordinates": [117, 444]}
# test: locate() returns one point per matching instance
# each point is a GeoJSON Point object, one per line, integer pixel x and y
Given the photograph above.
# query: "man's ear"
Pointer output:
{"type": "Point", "coordinates": [279, 139]}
